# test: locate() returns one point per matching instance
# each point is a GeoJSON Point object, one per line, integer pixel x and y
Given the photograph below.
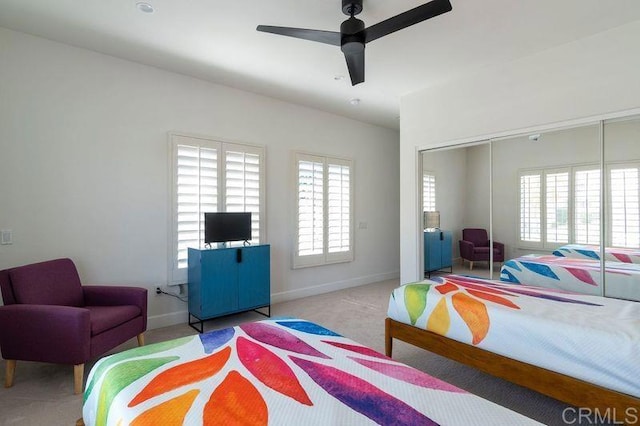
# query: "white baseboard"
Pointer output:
{"type": "Point", "coordinates": [285, 296]}
{"type": "Point", "coordinates": [166, 320]}
{"type": "Point", "coordinates": [180, 317]}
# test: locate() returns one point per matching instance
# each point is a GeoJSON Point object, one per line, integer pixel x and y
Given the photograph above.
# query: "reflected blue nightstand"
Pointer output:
{"type": "Point", "coordinates": [437, 251]}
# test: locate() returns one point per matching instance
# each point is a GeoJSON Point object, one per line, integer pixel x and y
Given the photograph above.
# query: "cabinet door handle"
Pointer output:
{"type": "Point", "coordinates": [239, 255]}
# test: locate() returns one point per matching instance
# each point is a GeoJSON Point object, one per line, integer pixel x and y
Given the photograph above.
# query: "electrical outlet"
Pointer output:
{"type": "Point", "coordinates": [7, 237]}
{"type": "Point", "coordinates": [158, 290]}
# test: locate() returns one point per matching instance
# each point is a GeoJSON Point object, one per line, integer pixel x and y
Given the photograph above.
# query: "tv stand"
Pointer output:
{"type": "Point", "coordinates": [226, 281]}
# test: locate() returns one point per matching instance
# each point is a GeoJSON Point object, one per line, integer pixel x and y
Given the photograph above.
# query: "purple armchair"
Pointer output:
{"type": "Point", "coordinates": [49, 316]}
{"type": "Point", "coordinates": [474, 246]}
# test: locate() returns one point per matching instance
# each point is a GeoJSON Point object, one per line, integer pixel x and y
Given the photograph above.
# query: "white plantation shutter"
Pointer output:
{"type": "Point", "coordinates": [324, 212]}
{"type": "Point", "coordinates": [242, 184]}
{"type": "Point", "coordinates": [310, 207]}
{"type": "Point", "coordinates": [197, 193]}
{"type": "Point", "coordinates": [339, 206]}
{"type": "Point", "coordinates": [587, 206]}
{"type": "Point", "coordinates": [211, 176]}
{"type": "Point", "coordinates": [428, 192]}
{"type": "Point", "coordinates": [557, 206]}
{"type": "Point", "coordinates": [624, 207]}
{"type": "Point", "coordinates": [531, 207]}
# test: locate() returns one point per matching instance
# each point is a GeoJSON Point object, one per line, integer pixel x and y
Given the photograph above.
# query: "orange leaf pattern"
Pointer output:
{"type": "Point", "coordinates": [235, 402]}
{"type": "Point", "coordinates": [474, 314]}
{"type": "Point", "coordinates": [171, 412]}
{"type": "Point", "coordinates": [182, 375]}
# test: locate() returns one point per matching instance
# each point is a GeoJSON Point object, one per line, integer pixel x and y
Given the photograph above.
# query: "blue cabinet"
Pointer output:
{"type": "Point", "coordinates": [437, 251]}
{"type": "Point", "coordinates": [229, 280]}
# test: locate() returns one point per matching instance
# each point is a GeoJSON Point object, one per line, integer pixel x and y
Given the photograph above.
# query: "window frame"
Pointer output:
{"type": "Point", "coordinates": [326, 257]}
{"type": "Point", "coordinates": [177, 275]}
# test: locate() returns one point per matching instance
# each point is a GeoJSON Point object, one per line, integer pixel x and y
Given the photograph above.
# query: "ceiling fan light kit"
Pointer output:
{"type": "Point", "coordinates": [353, 35]}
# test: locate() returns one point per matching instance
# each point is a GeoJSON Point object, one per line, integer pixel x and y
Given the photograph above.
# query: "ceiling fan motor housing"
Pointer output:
{"type": "Point", "coordinates": [352, 35]}
{"type": "Point", "coordinates": [351, 7]}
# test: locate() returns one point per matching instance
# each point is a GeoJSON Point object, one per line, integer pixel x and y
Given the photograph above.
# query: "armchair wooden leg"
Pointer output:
{"type": "Point", "coordinates": [78, 378]}
{"type": "Point", "coordinates": [470, 265]}
{"type": "Point", "coordinates": [9, 373]}
{"type": "Point", "coordinates": [141, 339]}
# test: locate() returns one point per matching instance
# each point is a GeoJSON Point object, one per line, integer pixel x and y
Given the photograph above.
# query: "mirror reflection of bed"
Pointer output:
{"type": "Point", "coordinates": [540, 194]}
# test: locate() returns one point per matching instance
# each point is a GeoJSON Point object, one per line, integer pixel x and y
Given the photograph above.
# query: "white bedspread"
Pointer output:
{"type": "Point", "coordinates": [591, 338]}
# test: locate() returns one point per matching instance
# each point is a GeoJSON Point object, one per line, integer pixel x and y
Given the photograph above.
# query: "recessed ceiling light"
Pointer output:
{"type": "Point", "coordinates": [354, 101]}
{"type": "Point", "coordinates": [144, 7]}
{"type": "Point", "coordinates": [338, 77]}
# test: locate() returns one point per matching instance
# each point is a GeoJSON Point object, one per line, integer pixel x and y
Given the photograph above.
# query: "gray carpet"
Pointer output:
{"type": "Point", "coordinates": [42, 393]}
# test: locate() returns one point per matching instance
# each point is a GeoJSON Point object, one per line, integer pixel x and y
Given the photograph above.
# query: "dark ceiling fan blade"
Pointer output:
{"type": "Point", "coordinates": [355, 64]}
{"type": "Point", "coordinates": [327, 37]}
{"type": "Point", "coordinates": [406, 19]}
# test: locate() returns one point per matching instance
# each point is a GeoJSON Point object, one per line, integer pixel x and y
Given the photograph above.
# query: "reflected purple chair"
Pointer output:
{"type": "Point", "coordinates": [49, 316]}
{"type": "Point", "coordinates": [474, 246]}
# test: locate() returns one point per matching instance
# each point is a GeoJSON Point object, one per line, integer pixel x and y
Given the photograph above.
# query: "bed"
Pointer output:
{"type": "Point", "coordinates": [590, 252]}
{"type": "Point", "coordinates": [277, 371]}
{"type": "Point", "coordinates": [577, 275]}
{"type": "Point", "coordinates": [555, 342]}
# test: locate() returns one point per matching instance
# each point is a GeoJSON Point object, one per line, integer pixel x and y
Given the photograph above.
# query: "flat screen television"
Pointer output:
{"type": "Point", "coordinates": [224, 227]}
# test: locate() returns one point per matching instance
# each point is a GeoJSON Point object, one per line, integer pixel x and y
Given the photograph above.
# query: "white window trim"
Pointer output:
{"type": "Point", "coordinates": [175, 275]}
{"type": "Point", "coordinates": [325, 258]}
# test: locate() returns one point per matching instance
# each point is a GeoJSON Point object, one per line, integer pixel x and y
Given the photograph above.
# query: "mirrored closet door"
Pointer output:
{"type": "Point", "coordinates": [622, 231]}
{"type": "Point", "coordinates": [455, 203]}
{"type": "Point", "coordinates": [547, 208]}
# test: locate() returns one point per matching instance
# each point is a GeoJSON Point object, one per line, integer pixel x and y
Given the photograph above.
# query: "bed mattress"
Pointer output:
{"type": "Point", "coordinates": [591, 338]}
{"type": "Point", "coordinates": [279, 372]}
{"type": "Point", "coordinates": [622, 280]}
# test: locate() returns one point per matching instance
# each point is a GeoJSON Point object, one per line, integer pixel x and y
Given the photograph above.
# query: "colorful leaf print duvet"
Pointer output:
{"type": "Point", "coordinates": [572, 274]}
{"type": "Point", "coordinates": [592, 338]}
{"type": "Point", "coordinates": [274, 372]}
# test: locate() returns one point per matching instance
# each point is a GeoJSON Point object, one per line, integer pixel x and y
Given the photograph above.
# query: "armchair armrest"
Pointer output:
{"type": "Point", "coordinates": [104, 295]}
{"type": "Point", "coordinates": [466, 249]}
{"type": "Point", "coordinates": [499, 246]}
{"type": "Point", "coordinates": [45, 333]}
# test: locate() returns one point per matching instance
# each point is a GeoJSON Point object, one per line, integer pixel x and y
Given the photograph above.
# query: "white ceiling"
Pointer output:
{"type": "Point", "coordinates": [216, 40]}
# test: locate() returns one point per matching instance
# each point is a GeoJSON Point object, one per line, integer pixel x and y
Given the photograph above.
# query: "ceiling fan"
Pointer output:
{"type": "Point", "coordinates": [353, 35]}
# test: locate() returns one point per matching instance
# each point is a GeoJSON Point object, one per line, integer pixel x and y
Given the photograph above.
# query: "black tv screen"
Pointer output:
{"type": "Point", "coordinates": [223, 227]}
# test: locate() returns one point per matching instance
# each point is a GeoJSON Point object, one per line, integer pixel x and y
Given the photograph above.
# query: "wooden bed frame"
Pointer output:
{"type": "Point", "coordinates": [559, 386]}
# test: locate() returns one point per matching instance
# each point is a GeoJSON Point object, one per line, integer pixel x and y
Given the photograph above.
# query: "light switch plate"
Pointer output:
{"type": "Point", "coordinates": [5, 238]}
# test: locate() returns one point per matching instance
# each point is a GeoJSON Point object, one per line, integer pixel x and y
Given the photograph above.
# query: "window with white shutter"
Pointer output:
{"type": "Point", "coordinates": [324, 210]}
{"type": "Point", "coordinates": [428, 192]}
{"type": "Point", "coordinates": [211, 176]}
{"type": "Point", "coordinates": [531, 207]}
{"type": "Point", "coordinates": [587, 206]}
{"type": "Point", "coordinates": [624, 207]}
{"type": "Point", "coordinates": [242, 183]}
{"type": "Point", "coordinates": [557, 206]}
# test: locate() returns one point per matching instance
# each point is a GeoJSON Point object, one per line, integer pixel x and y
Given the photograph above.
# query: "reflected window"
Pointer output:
{"type": "Point", "coordinates": [530, 207]}
{"type": "Point", "coordinates": [547, 198]}
{"type": "Point", "coordinates": [557, 206]}
{"type": "Point", "coordinates": [624, 205]}
{"type": "Point", "coordinates": [587, 206]}
{"type": "Point", "coordinates": [428, 192]}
